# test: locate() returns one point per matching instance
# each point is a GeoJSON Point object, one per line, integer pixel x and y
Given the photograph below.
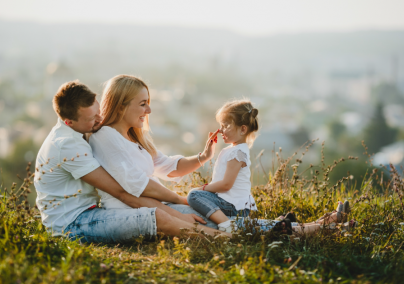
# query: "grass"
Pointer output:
{"type": "Point", "coordinates": [372, 253]}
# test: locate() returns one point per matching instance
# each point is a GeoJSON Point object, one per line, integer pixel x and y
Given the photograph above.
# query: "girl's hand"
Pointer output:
{"type": "Point", "coordinates": [209, 150]}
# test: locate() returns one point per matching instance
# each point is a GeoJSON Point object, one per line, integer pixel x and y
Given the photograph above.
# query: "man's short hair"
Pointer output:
{"type": "Point", "coordinates": [70, 97]}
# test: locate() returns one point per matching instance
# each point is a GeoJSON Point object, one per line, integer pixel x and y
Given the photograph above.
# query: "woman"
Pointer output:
{"type": "Point", "coordinates": [125, 149]}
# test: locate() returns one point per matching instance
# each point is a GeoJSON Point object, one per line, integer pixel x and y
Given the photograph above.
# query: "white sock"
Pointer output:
{"type": "Point", "coordinates": [224, 224]}
{"type": "Point", "coordinates": [227, 226]}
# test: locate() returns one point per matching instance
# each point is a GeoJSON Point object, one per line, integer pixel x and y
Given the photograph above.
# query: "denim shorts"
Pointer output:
{"type": "Point", "coordinates": [207, 203]}
{"type": "Point", "coordinates": [113, 225]}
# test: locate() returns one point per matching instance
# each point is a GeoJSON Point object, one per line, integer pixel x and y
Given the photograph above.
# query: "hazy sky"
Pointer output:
{"type": "Point", "coordinates": [250, 17]}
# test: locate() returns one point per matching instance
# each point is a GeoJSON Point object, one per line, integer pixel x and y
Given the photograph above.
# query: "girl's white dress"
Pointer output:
{"type": "Point", "coordinates": [240, 194]}
{"type": "Point", "coordinates": [129, 164]}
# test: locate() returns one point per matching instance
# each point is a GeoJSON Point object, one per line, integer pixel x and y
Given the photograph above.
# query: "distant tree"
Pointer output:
{"type": "Point", "coordinates": [388, 93]}
{"type": "Point", "coordinates": [336, 129]}
{"type": "Point", "coordinates": [300, 136]}
{"type": "Point", "coordinates": [378, 134]}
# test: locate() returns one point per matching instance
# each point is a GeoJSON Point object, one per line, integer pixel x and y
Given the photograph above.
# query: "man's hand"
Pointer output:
{"type": "Point", "coordinates": [192, 218]}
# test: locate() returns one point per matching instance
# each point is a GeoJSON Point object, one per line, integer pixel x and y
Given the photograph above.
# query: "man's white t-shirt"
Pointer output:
{"type": "Point", "coordinates": [63, 159]}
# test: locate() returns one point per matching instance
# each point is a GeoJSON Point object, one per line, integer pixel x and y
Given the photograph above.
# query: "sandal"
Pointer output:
{"type": "Point", "coordinates": [290, 215]}
{"type": "Point", "coordinates": [345, 210]}
{"type": "Point", "coordinates": [339, 209]}
{"type": "Point", "coordinates": [349, 226]}
{"type": "Point", "coordinates": [284, 226]}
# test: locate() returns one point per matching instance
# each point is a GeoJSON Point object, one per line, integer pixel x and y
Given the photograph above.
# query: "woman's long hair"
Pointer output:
{"type": "Point", "coordinates": [118, 93]}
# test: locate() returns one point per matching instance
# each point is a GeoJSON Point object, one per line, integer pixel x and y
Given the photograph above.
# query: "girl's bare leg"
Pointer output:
{"type": "Point", "coordinates": [218, 217]}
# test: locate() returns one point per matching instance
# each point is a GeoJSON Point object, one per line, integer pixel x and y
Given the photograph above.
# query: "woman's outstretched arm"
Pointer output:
{"type": "Point", "coordinates": [189, 164]}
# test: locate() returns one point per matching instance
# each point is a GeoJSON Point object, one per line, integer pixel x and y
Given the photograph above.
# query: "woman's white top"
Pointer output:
{"type": "Point", "coordinates": [129, 164]}
{"type": "Point", "coordinates": [240, 194]}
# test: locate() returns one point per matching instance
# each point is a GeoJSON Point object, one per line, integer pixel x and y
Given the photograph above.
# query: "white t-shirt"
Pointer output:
{"type": "Point", "coordinates": [129, 164]}
{"type": "Point", "coordinates": [57, 179]}
{"type": "Point", "coordinates": [240, 194]}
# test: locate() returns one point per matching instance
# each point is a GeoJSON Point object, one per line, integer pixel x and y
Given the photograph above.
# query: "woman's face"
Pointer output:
{"type": "Point", "coordinates": [137, 110]}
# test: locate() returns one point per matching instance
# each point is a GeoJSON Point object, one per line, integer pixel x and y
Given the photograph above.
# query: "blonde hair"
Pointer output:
{"type": "Point", "coordinates": [240, 112]}
{"type": "Point", "coordinates": [118, 92]}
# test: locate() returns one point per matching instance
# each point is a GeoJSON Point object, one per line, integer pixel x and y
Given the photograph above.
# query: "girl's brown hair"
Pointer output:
{"type": "Point", "coordinates": [240, 112]}
{"type": "Point", "coordinates": [118, 93]}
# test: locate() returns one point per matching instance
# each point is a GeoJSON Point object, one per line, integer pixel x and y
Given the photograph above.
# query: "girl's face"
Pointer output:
{"type": "Point", "coordinates": [232, 134]}
{"type": "Point", "coordinates": [137, 110]}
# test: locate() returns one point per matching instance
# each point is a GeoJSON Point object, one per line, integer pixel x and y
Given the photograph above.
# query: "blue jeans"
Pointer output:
{"type": "Point", "coordinates": [207, 203]}
{"type": "Point", "coordinates": [113, 225]}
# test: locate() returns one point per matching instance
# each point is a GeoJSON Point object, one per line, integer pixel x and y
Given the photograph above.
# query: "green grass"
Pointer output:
{"type": "Point", "coordinates": [372, 253]}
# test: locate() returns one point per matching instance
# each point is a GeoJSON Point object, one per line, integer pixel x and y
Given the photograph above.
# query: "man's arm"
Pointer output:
{"type": "Point", "coordinates": [101, 179]}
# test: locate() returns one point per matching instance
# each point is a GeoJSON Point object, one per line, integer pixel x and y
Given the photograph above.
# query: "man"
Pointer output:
{"type": "Point", "coordinates": [67, 174]}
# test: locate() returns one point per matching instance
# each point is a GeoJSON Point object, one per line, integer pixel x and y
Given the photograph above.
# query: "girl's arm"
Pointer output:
{"type": "Point", "coordinates": [233, 167]}
{"type": "Point", "coordinates": [189, 164]}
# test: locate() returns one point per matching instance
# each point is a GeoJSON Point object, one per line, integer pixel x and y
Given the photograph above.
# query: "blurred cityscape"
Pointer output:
{"type": "Point", "coordinates": [338, 87]}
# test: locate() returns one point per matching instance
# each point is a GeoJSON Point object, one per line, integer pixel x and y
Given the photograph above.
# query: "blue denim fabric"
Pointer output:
{"type": "Point", "coordinates": [264, 224]}
{"type": "Point", "coordinates": [207, 203]}
{"type": "Point", "coordinates": [113, 225]}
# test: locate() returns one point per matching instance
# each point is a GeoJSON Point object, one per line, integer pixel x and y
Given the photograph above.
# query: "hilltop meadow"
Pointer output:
{"type": "Point", "coordinates": [370, 253]}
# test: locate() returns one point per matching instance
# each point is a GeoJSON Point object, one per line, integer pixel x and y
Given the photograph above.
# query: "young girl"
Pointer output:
{"type": "Point", "coordinates": [229, 192]}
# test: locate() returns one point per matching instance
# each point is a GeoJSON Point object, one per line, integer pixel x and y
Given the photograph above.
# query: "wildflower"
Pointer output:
{"type": "Point", "coordinates": [347, 235]}
{"type": "Point", "coordinates": [402, 223]}
{"type": "Point", "coordinates": [103, 266]}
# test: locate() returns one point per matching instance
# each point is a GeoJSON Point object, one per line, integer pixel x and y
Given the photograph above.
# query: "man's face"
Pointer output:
{"type": "Point", "coordinates": [88, 119]}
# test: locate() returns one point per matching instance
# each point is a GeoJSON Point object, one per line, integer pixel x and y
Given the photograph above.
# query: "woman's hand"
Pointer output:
{"type": "Point", "coordinates": [209, 150]}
